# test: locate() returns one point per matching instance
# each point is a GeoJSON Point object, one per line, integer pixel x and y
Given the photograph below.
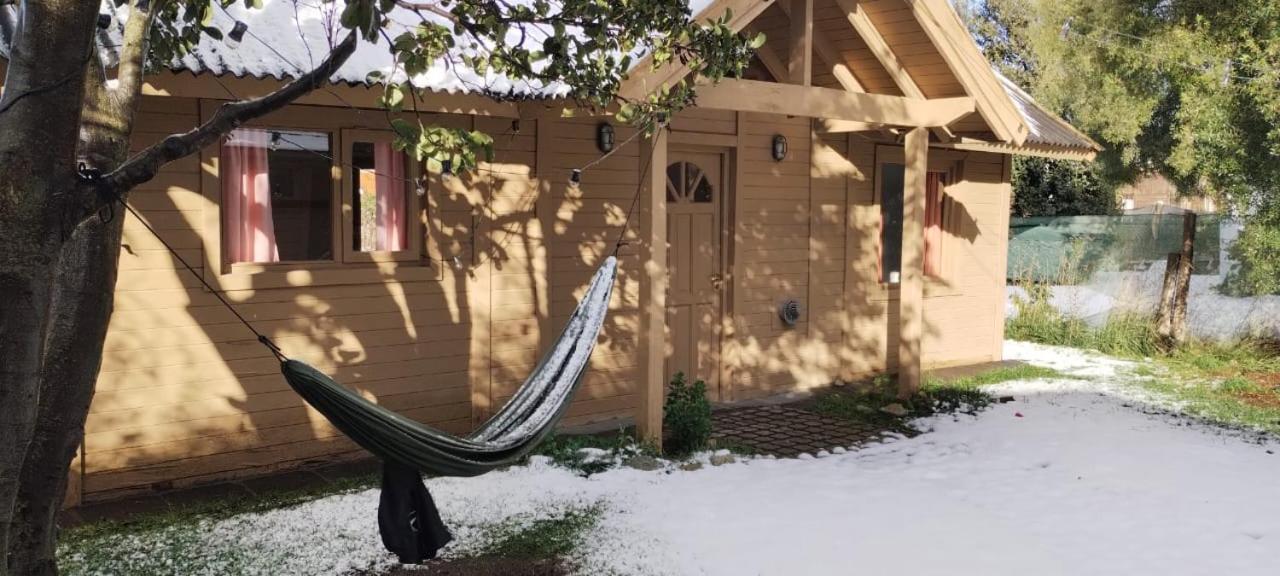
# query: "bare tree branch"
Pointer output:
{"type": "Point", "coordinates": [143, 166]}
{"type": "Point", "coordinates": [133, 55]}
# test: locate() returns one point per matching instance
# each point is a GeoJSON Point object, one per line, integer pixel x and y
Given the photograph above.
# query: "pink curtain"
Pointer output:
{"type": "Point", "coordinates": [391, 212]}
{"type": "Point", "coordinates": [933, 225]}
{"type": "Point", "coordinates": [246, 198]}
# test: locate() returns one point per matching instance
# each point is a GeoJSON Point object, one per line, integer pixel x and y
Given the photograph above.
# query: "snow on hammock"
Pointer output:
{"type": "Point", "coordinates": [506, 437]}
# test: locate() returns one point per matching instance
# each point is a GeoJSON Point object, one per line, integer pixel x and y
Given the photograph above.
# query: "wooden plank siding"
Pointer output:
{"type": "Point", "coordinates": [186, 395]}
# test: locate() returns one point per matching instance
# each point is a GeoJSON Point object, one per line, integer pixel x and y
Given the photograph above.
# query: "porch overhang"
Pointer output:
{"type": "Point", "coordinates": [842, 110]}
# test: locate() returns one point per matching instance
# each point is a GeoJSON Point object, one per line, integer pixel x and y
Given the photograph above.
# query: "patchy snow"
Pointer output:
{"type": "Point", "coordinates": [1068, 478]}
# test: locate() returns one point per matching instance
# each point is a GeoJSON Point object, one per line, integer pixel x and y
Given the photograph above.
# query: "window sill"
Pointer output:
{"type": "Point", "coordinates": [933, 288]}
{"type": "Point", "coordinates": [308, 274]}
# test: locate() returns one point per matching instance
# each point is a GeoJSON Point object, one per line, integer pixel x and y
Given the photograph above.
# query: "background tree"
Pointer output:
{"type": "Point", "coordinates": [61, 110]}
{"type": "Point", "coordinates": [1047, 187]}
{"type": "Point", "coordinates": [1189, 89]}
{"type": "Point", "coordinates": [1042, 186]}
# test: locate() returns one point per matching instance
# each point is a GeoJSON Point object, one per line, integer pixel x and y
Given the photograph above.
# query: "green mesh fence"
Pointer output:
{"type": "Point", "coordinates": [1067, 250]}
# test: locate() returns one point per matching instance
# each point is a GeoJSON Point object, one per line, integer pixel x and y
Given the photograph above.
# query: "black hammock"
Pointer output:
{"type": "Point", "coordinates": [506, 437]}
{"type": "Point", "coordinates": [407, 517]}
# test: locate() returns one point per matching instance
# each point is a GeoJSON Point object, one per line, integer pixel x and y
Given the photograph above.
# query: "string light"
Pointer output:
{"type": "Point", "coordinates": [237, 34]}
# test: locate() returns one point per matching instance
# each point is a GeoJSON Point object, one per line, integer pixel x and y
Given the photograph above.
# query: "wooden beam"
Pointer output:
{"type": "Point", "coordinates": [950, 36]}
{"type": "Point", "coordinates": [911, 289]}
{"type": "Point", "coordinates": [800, 62]}
{"type": "Point", "coordinates": [776, 67]}
{"type": "Point", "coordinates": [652, 339]}
{"type": "Point", "coordinates": [871, 36]}
{"type": "Point", "coordinates": [830, 103]}
{"type": "Point", "coordinates": [644, 79]}
{"type": "Point", "coordinates": [843, 126]}
{"type": "Point", "coordinates": [831, 56]}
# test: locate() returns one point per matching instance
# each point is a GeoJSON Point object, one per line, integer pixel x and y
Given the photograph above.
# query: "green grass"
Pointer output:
{"type": "Point", "coordinates": [965, 395]}
{"type": "Point", "coordinates": [1234, 402]}
{"type": "Point", "coordinates": [937, 396]}
{"type": "Point", "coordinates": [1233, 383]}
{"type": "Point", "coordinates": [861, 409]}
{"type": "Point", "coordinates": [539, 538]}
{"type": "Point", "coordinates": [997, 375]}
{"type": "Point", "coordinates": [566, 450]}
{"type": "Point", "coordinates": [172, 541]}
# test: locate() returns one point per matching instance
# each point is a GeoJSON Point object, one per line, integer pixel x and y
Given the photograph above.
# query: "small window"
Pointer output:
{"type": "Point", "coordinates": [892, 186]}
{"type": "Point", "coordinates": [687, 183]}
{"type": "Point", "coordinates": [380, 203]}
{"type": "Point", "coordinates": [380, 200]}
{"type": "Point", "coordinates": [892, 180]}
{"type": "Point", "coordinates": [277, 196]}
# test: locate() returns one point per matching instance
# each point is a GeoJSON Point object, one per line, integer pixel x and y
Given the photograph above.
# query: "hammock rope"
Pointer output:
{"type": "Point", "coordinates": [506, 437]}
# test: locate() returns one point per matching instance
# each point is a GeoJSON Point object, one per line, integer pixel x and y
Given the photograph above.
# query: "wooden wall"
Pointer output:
{"type": "Point", "coordinates": [188, 396]}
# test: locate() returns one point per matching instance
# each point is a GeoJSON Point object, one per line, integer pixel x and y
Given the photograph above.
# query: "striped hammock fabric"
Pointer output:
{"type": "Point", "coordinates": [505, 438]}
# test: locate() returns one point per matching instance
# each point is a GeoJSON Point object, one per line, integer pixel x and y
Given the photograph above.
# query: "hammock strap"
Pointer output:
{"type": "Point", "coordinates": [93, 177]}
{"type": "Point", "coordinates": [635, 198]}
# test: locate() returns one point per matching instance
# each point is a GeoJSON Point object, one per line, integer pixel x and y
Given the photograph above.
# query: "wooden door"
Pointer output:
{"type": "Point", "coordinates": [695, 187]}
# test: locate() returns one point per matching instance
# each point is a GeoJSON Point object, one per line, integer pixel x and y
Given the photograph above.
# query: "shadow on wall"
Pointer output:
{"type": "Point", "coordinates": [842, 334]}
{"type": "Point", "coordinates": [187, 395]}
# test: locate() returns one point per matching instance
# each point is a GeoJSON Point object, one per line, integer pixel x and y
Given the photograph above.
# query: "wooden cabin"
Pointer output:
{"type": "Point", "coordinates": [859, 175]}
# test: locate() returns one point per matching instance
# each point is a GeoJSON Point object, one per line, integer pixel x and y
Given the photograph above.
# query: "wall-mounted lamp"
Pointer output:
{"type": "Point", "coordinates": [779, 149]}
{"type": "Point", "coordinates": [575, 177]}
{"type": "Point", "coordinates": [604, 137]}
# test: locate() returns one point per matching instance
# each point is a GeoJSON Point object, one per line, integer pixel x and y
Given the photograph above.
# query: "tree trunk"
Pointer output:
{"type": "Point", "coordinates": [39, 131]}
{"type": "Point", "coordinates": [1171, 318]}
{"type": "Point", "coordinates": [81, 307]}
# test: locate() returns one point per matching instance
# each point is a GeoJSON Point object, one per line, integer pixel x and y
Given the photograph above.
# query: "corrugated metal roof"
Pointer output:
{"type": "Point", "coordinates": [1046, 128]}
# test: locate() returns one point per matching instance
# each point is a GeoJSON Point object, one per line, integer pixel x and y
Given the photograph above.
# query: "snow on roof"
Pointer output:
{"type": "Point", "coordinates": [1046, 128]}
{"type": "Point", "coordinates": [285, 38]}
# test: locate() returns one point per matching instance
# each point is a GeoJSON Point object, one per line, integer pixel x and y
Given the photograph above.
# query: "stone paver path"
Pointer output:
{"type": "Point", "coordinates": [787, 432]}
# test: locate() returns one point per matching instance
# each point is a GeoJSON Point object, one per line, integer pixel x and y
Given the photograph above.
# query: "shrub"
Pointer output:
{"type": "Point", "coordinates": [1256, 254]}
{"type": "Point", "coordinates": [686, 416]}
{"type": "Point", "coordinates": [567, 451]}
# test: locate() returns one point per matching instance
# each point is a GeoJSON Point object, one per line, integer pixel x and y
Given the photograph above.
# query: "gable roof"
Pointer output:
{"type": "Point", "coordinates": [285, 37]}
{"type": "Point", "coordinates": [1044, 127]}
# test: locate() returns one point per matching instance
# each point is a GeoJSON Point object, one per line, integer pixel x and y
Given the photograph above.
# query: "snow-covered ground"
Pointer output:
{"type": "Point", "coordinates": [1069, 478]}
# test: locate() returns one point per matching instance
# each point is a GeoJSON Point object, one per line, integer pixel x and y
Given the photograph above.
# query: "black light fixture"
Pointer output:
{"type": "Point", "coordinates": [779, 149]}
{"type": "Point", "coordinates": [575, 177]}
{"type": "Point", "coordinates": [237, 33]}
{"type": "Point", "coordinates": [604, 137]}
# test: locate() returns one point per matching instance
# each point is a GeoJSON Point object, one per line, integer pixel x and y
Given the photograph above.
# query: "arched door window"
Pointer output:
{"type": "Point", "coordinates": [687, 184]}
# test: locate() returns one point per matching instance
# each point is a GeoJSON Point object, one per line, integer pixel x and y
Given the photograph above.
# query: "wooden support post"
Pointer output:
{"type": "Point", "coordinates": [800, 67]}
{"type": "Point", "coordinates": [1171, 319]}
{"type": "Point", "coordinates": [911, 290]}
{"type": "Point", "coordinates": [651, 379]}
